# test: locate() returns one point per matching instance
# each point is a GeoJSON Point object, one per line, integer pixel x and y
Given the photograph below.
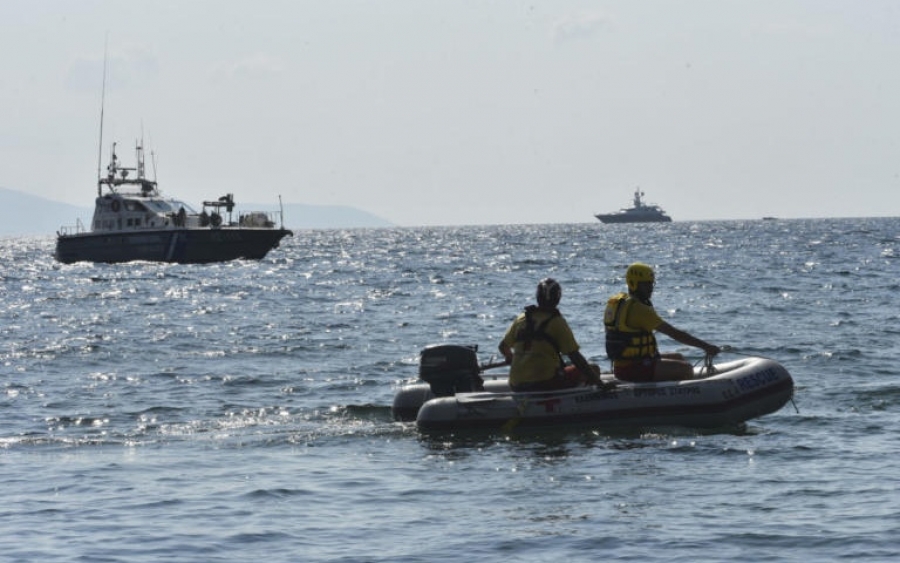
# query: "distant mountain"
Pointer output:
{"type": "Point", "coordinates": [302, 216]}
{"type": "Point", "coordinates": [25, 214]}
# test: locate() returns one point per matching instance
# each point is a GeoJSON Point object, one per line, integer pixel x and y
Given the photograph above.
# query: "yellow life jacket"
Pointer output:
{"type": "Point", "coordinates": [622, 341]}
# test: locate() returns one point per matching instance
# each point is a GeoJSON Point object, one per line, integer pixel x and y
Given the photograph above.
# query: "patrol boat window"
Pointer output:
{"type": "Point", "coordinates": [169, 206]}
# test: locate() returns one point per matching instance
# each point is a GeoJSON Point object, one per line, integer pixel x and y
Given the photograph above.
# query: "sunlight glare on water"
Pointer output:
{"type": "Point", "coordinates": [231, 411]}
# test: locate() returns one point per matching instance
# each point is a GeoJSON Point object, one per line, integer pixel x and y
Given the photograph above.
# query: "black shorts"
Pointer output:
{"type": "Point", "coordinates": [562, 379]}
{"type": "Point", "coordinates": [638, 371]}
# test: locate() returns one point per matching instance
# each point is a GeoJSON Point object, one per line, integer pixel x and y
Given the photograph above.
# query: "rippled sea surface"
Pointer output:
{"type": "Point", "coordinates": [241, 411]}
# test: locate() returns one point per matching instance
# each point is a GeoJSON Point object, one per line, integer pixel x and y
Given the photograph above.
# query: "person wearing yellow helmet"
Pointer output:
{"type": "Point", "coordinates": [536, 341]}
{"type": "Point", "coordinates": [630, 321]}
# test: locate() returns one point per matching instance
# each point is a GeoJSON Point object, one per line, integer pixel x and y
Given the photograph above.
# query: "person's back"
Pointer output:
{"type": "Point", "coordinates": [629, 325]}
{"type": "Point", "coordinates": [537, 337]}
{"type": "Point", "coordinates": [534, 342]}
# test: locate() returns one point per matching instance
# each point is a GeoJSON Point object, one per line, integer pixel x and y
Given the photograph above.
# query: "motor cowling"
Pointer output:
{"type": "Point", "coordinates": [449, 369]}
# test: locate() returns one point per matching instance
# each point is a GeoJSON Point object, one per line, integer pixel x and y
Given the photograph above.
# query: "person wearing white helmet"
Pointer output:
{"type": "Point", "coordinates": [630, 322]}
{"type": "Point", "coordinates": [536, 341]}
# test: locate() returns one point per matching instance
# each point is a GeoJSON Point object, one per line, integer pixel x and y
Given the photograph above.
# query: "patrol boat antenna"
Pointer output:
{"type": "Point", "coordinates": [102, 105]}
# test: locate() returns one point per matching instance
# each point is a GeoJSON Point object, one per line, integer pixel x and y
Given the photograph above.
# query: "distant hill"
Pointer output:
{"type": "Point", "coordinates": [302, 216]}
{"type": "Point", "coordinates": [25, 214]}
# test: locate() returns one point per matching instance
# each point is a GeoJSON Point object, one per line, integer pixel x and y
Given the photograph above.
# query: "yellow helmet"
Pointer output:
{"type": "Point", "coordinates": [637, 273]}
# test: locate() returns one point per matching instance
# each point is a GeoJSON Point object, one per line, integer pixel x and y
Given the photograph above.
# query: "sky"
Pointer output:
{"type": "Point", "coordinates": [459, 112]}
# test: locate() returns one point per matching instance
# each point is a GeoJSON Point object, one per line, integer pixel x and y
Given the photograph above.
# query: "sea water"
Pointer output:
{"type": "Point", "coordinates": [241, 411]}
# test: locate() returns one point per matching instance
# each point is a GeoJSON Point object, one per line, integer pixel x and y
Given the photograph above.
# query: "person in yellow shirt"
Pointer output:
{"type": "Point", "coordinates": [630, 322]}
{"type": "Point", "coordinates": [536, 341]}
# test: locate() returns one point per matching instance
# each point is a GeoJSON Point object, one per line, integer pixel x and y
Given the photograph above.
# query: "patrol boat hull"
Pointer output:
{"type": "Point", "coordinates": [186, 246]}
{"type": "Point", "coordinates": [737, 391]}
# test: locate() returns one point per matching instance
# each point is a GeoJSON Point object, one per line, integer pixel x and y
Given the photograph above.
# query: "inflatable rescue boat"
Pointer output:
{"type": "Point", "coordinates": [455, 397]}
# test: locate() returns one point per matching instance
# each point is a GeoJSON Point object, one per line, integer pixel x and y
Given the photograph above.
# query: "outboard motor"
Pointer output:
{"type": "Point", "coordinates": [450, 369]}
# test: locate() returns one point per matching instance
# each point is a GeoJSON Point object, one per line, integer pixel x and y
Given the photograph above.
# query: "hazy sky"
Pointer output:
{"type": "Point", "coordinates": [465, 112]}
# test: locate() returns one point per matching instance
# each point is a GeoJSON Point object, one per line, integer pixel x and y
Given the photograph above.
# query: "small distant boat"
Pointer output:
{"type": "Point", "coordinates": [638, 213]}
{"type": "Point", "coordinates": [133, 221]}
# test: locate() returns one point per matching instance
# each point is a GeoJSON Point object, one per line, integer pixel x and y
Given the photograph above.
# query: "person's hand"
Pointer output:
{"type": "Point", "coordinates": [593, 378]}
{"type": "Point", "coordinates": [712, 350]}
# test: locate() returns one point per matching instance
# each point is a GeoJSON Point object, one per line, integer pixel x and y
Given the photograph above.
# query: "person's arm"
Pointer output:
{"type": "Point", "coordinates": [688, 339]}
{"type": "Point", "coordinates": [584, 367]}
{"type": "Point", "coordinates": [506, 351]}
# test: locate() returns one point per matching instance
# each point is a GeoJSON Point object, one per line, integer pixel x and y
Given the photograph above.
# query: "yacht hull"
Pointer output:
{"type": "Point", "coordinates": [633, 218]}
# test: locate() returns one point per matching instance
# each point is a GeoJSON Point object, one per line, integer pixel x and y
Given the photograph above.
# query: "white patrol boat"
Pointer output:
{"type": "Point", "coordinates": [454, 397]}
{"type": "Point", "coordinates": [133, 221]}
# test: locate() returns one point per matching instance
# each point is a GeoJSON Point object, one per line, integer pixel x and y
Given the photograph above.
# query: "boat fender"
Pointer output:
{"type": "Point", "coordinates": [215, 220]}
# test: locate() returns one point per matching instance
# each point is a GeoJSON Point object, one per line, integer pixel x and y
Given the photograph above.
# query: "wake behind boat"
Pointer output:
{"type": "Point", "coordinates": [133, 221]}
{"type": "Point", "coordinates": [640, 212]}
{"type": "Point", "coordinates": [454, 397]}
